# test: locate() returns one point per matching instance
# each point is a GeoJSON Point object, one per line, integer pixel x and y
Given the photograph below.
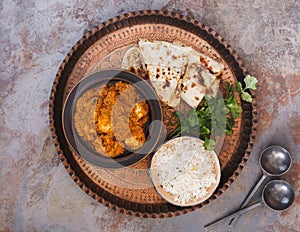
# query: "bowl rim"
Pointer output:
{"type": "Point", "coordinates": [97, 78]}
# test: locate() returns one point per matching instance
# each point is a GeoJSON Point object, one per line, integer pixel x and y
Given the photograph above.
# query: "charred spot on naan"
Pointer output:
{"type": "Point", "coordinates": [167, 84]}
{"type": "Point", "coordinates": [213, 66]}
{"type": "Point", "coordinates": [133, 62]}
{"type": "Point", "coordinates": [205, 63]}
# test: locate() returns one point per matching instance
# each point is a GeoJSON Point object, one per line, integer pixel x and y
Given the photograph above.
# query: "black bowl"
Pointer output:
{"type": "Point", "coordinates": [153, 128]}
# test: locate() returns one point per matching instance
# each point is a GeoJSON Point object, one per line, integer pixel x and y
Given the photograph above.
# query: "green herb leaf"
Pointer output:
{"type": "Point", "coordinates": [246, 97]}
{"type": "Point", "coordinates": [209, 144]}
{"type": "Point", "coordinates": [239, 87]}
{"type": "Point", "coordinates": [204, 130]}
{"type": "Point", "coordinates": [250, 82]}
{"type": "Point", "coordinates": [234, 110]}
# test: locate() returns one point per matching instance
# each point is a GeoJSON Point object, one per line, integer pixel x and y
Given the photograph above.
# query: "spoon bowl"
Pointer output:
{"type": "Point", "coordinates": [278, 195]}
{"type": "Point", "coordinates": [275, 160]}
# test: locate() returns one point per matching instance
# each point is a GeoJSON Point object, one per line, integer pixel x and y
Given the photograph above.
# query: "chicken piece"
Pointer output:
{"type": "Point", "coordinates": [141, 110]}
{"type": "Point", "coordinates": [104, 125]}
{"type": "Point", "coordinates": [139, 115]}
{"type": "Point", "coordinates": [134, 142]}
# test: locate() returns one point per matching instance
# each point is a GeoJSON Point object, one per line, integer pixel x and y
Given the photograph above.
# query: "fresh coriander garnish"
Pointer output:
{"type": "Point", "coordinates": [250, 83]}
{"type": "Point", "coordinates": [216, 115]}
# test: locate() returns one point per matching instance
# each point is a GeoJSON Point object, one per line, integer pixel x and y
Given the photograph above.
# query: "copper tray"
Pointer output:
{"type": "Point", "coordinates": [129, 190]}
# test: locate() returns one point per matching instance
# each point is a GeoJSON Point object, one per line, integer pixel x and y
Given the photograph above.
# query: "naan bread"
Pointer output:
{"type": "Point", "coordinates": [166, 84]}
{"type": "Point", "coordinates": [134, 62]}
{"type": "Point", "coordinates": [192, 89]}
{"type": "Point", "coordinates": [163, 54]}
{"type": "Point", "coordinates": [213, 66]}
{"type": "Point", "coordinates": [175, 71]}
{"type": "Point", "coordinates": [166, 66]}
{"type": "Point", "coordinates": [200, 78]}
{"type": "Point", "coordinates": [211, 82]}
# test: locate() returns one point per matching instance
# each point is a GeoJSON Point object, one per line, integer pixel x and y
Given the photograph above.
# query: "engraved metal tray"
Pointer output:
{"type": "Point", "coordinates": [129, 190]}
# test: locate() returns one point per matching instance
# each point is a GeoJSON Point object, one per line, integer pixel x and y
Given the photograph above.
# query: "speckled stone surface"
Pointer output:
{"type": "Point", "coordinates": [37, 194]}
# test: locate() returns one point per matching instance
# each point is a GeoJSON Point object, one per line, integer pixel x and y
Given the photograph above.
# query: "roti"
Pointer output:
{"type": "Point", "coordinates": [166, 66]}
{"type": "Point", "coordinates": [163, 54]}
{"type": "Point", "coordinates": [176, 71]}
{"type": "Point", "coordinates": [134, 62]}
{"type": "Point", "coordinates": [201, 77]}
{"type": "Point", "coordinates": [166, 83]}
{"type": "Point", "coordinates": [193, 89]}
{"type": "Point", "coordinates": [213, 66]}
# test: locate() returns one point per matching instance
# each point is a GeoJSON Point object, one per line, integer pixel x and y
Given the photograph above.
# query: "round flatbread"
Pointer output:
{"type": "Point", "coordinates": [134, 62]}
{"type": "Point", "coordinates": [175, 71]}
{"type": "Point", "coordinates": [165, 65]}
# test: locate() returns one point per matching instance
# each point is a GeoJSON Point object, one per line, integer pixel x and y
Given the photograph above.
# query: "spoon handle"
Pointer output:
{"type": "Point", "coordinates": [233, 221]}
{"type": "Point", "coordinates": [211, 227]}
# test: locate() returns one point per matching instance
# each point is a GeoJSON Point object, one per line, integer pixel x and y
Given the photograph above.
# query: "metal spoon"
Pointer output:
{"type": "Point", "coordinates": [276, 195]}
{"type": "Point", "coordinates": [274, 161]}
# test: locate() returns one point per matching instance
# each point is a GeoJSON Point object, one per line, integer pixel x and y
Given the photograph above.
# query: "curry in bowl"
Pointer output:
{"type": "Point", "coordinates": [108, 118]}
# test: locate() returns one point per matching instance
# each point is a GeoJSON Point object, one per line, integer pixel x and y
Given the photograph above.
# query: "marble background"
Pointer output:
{"type": "Point", "coordinates": [36, 193]}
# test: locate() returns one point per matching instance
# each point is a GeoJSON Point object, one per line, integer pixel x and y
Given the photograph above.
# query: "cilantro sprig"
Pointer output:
{"type": "Point", "coordinates": [250, 83]}
{"type": "Point", "coordinates": [216, 116]}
